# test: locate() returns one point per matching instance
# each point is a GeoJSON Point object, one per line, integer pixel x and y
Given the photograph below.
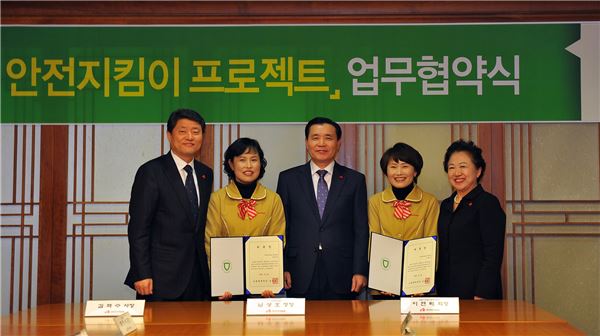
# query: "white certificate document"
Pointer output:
{"type": "Point", "coordinates": [419, 265]}
{"type": "Point", "coordinates": [264, 264]}
{"type": "Point", "coordinates": [227, 265]}
{"type": "Point", "coordinates": [385, 263]}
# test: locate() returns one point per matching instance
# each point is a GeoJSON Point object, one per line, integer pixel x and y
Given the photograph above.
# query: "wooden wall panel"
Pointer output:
{"type": "Point", "coordinates": [19, 215]}
{"type": "Point", "coordinates": [490, 137]}
{"type": "Point", "coordinates": [53, 211]}
{"type": "Point", "coordinates": [242, 12]}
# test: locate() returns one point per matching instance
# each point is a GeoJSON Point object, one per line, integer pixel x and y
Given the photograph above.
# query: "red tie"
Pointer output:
{"type": "Point", "coordinates": [401, 210]}
{"type": "Point", "coordinates": [247, 207]}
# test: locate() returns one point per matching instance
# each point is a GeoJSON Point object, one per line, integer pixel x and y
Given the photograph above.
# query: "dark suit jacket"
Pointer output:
{"type": "Point", "coordinates": [163, 237]}
{"type": "Point", "coordinates": [471, 243]}
{"type": "Point", "coordinates": [343, 233]}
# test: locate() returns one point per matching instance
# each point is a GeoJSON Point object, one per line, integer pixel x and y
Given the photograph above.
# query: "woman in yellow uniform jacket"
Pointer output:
{"type": "Point", "coordinates": [244, 207]}
{"type": "Point", "coordinates": [403, 210]}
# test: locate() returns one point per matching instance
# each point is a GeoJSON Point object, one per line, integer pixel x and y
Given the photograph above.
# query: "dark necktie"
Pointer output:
{"type": "Point", "coordinates": [322, 191]}
{"type": "Point", "coordinates": [190, 188]}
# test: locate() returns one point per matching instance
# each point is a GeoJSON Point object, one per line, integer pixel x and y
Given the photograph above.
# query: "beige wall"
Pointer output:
{"type": "Point", "coordinates": [553, 177]}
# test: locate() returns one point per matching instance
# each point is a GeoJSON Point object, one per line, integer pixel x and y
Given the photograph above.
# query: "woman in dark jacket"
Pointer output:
{"type": "Point", "coordinates": [471, 229]}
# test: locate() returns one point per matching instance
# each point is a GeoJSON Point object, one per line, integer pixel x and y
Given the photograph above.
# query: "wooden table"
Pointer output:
{"type": "Point", "coordinates": [322, 318]}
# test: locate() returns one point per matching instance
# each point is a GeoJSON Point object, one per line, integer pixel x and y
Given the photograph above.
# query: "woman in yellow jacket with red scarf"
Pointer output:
{"type": "Point", "coordinates": [403, 210]}
{"type": "Point", "coordinates": [244, 207]}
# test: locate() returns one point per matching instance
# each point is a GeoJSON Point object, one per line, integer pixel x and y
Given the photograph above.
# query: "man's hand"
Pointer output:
{"type": "Point", "coordinates": [287, 279]}
{"type": "Point", "coordinates": [358, 282]}
{"type": "Point", "coordinates": [144, 286]}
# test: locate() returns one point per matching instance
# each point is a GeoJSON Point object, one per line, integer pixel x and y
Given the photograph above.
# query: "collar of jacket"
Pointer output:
{"type": "Point", "coordinates": [232, 192]}
{"type": "Point", "coordinates": [416, 195]}
{"type": "Point", "coordinates": [447, 203]}
{"type": "Point", "coordinates": [472, 194]}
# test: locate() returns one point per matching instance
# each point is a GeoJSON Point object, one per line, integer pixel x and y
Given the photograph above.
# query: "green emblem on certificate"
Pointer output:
{"type": "Point", "coordinates": [385, 263]}
{"type": "Point", "coordinates": [226, 266]}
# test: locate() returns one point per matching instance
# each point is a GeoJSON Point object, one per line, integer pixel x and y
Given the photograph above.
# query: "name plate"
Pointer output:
{"type": "Point", "coordinates": [429, 305]}
{"type": "Point", "coordinates": [114, 307]}
{"type": "Point", "coordinates": [277, 306]}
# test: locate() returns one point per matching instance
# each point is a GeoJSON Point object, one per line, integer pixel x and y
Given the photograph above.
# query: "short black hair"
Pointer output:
{"type": "Point", "coordinates": [405, 153]}
{"type": "Point", "coordinates": [184, 114]}
{"type": "Point", "coordinates": [469, 148]}
{"type": "Point", "coordinates": [239, 147]}
{"type": "Point", "coordinates": [321, 121]}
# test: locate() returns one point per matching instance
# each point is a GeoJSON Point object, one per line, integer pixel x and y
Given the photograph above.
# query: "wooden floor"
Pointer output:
{"type": "Point", "coordinates": [322, 318]}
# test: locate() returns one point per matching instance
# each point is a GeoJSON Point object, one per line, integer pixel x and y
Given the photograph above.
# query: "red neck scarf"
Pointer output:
{"type": "Point", "coordinates": [401, 210]}
{"type": "Point", "coordinates": [247, 208]}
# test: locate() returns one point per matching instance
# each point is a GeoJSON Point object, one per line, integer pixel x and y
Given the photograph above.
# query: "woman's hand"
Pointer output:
{"type": "Point", "coordinates": [267, 294]}
{"type": "Point", "coordinates": [226, 296]}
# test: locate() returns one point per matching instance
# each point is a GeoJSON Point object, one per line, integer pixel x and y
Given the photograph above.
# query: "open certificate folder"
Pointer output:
{"type": "Point", "coordinates": [246, 265]}
{"type": "Point", "coordinates": [402, 267]}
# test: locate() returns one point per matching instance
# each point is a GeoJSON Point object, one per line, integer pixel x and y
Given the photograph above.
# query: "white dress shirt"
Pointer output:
{"type": "Point", "coordinates": [180, 163]}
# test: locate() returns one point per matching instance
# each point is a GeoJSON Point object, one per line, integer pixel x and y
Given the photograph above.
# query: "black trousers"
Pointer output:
{"type": "Point", "coordinates": [320, 288]}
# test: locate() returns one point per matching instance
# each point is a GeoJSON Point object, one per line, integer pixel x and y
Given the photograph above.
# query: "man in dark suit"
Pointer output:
{"type": "Point", "coordinates": [327, 229]}
{"type": "Point", "coordinates": [169, 201]}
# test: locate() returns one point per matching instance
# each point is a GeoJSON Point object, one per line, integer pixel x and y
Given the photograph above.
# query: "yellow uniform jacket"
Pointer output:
{"type": "Point", "coordinates": [422, 221]}
{"type": "Point", "coordinates": [224, 219]}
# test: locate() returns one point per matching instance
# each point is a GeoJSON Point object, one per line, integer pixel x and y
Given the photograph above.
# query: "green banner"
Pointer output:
{"type": "Point", "coordinates": [354, 73]}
